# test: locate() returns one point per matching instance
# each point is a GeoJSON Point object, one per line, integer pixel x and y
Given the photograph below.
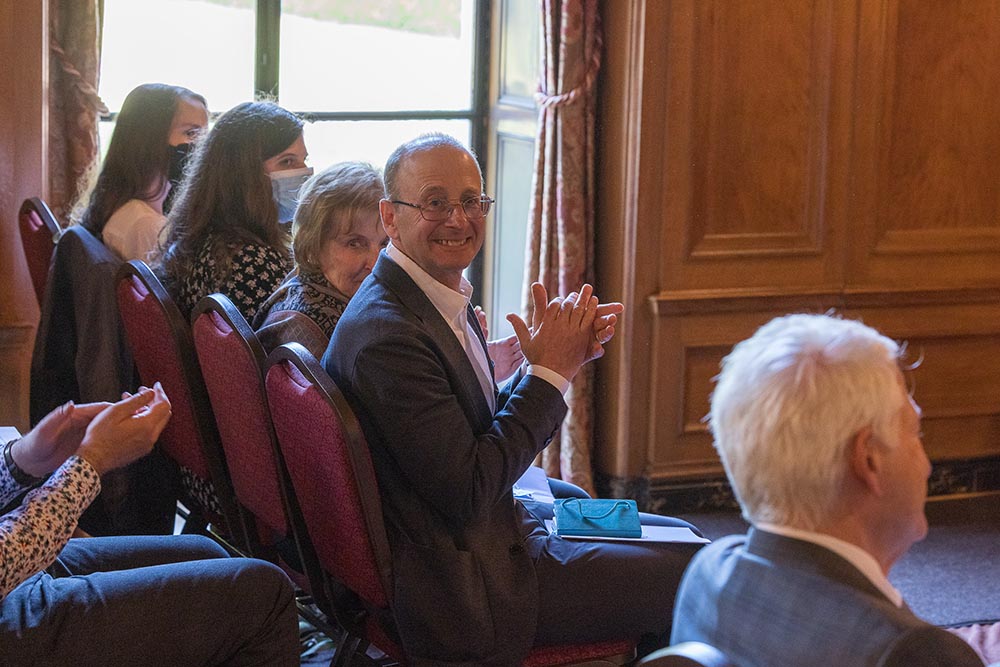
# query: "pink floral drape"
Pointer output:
{"type": "Point", "coordinates": [74, 106]}
{"type": "Point", "coordinates": [561, 225]}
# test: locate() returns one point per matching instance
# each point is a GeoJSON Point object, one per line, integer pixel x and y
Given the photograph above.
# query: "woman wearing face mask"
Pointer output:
{"type": "Point", "coordinates": [125, 205]}
{"type": "Point", "coordinates": [224, 231]}
{"type": "Point", "coordinates": [336, 237]}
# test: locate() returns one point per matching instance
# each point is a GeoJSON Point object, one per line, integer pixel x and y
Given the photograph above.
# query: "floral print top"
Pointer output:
{"type": "Point", "coordinates": [33, 534]}
{"type": "Point", "coordinates": [256, 270]}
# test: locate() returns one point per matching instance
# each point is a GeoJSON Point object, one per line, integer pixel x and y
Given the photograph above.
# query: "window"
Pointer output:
{"type": "Point", "coordinates": [513, 125]}
{"type": "Point", "coordinates": [367, 75]}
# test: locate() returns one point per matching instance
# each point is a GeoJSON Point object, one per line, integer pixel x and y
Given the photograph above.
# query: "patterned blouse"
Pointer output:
{"type": "Point", "coordinates": [33, 534]}
{"type": "Point", "coordinates": [256, 270]}
{"type": "Point", "coordinates": [304, 309]}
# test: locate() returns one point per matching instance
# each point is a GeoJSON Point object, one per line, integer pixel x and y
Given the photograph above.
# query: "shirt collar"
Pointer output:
{"type": "Point", "coordinates": [853, 554]}
{"type": "Point", "coordinates": [451, 304]}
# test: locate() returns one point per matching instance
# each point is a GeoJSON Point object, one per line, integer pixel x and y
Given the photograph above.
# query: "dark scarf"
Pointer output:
{"type": "Point", "coordinates": [310, 294]}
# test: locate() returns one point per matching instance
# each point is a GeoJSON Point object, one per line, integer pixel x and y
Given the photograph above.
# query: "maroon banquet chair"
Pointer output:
{"type": "Point", "coordinates": [39, 234]}
{"type": "Point", "coordinates": [331, 475]}
{"type": "Point", "coordinates": [232, 361]}
{"type": "Point", "coordinates": [163, 350]}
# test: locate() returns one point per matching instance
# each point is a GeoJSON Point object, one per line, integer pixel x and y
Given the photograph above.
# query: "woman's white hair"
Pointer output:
{"type": "Point", "coordinates": [788, 402]}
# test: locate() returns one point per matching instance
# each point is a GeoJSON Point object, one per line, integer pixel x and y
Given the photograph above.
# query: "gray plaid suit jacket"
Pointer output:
{"type": "Point", "coordinates": [767, 600]}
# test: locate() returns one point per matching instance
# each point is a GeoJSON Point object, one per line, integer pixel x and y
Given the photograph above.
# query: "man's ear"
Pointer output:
{"type": "Point", "coordinates": [865, 460]}
{"type": "Point", "coordinates": [387, 211]}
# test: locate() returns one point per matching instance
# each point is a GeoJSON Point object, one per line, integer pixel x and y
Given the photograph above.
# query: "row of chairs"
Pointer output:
{"type": "Point", "coordinates": [273, 440]}
{"type": "Point", "coordinates": [279, 435]}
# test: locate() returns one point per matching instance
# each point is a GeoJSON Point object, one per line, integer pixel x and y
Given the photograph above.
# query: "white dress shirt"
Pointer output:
{"type": "Point", "coordinates": [453, 307]}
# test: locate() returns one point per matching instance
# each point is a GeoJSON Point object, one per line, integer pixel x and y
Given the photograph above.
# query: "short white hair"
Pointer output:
{"type": "Point", "coordinates": [788, 402]}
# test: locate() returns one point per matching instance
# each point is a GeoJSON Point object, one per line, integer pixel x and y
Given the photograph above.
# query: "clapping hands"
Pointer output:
{"type": "Point", "coordinates": [107, 435]}
{"type": "Point", "coordinates": [55, 438]}
{"type": "Point", "coordinates": [127, 430]}
{"type": "Point", "coordinates": [568, 332]}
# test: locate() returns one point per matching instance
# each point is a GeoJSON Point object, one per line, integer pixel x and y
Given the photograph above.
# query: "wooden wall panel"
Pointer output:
{"type": "Point", "coordinates": [957, 383]}
{"type": "Point", "coordinates": [23, 50]}
{"type": "Point", "coordinates": [629, 223]}
{"type": "Point", "coordinates": [755, 118]}
{"type": "Point", "coordinates": [786, 157]}
{"type": "Point", "coordinates": [688, 350]}
{"type": "Point", "coordinates": [927, 203]}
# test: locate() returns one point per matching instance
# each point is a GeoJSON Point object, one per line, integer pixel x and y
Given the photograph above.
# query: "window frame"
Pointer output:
{"type": "Point", "coordinates": [267, 86]}
{"type": "Point", "coordinates": [481, 114]}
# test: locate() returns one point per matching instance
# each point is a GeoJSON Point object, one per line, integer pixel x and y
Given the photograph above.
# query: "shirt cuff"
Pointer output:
{"type": "Point", "coordinates": [550, 376]}
{"type": "Point", "coordinates": [77, 467]}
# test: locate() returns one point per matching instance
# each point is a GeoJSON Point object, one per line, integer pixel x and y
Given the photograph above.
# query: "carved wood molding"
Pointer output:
{"type": "Point", "coordinates": [695, 302]}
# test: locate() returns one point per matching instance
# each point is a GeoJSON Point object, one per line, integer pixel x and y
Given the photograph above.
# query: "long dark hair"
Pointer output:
{"type": "Point", "coordinates": [138, 156]}
{"type": "Point", "coordinates": [225, 195]}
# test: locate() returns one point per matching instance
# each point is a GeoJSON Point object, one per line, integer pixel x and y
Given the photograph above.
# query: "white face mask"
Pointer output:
{"type": "Point", "coordinates": [285, 187]}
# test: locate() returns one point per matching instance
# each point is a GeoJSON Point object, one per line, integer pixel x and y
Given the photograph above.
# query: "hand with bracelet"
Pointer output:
{"type": "Point", "coordinates": [135, 422]}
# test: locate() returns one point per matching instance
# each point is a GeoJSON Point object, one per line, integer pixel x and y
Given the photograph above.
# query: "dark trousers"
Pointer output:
{"type": "Point", "coordinates": [595, 591]}
{"type": "Point", "coordinates": [172, 600]}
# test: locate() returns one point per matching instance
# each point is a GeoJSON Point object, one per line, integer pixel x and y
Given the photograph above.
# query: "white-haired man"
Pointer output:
{"type": "Point", "coordinates": [821, 443]}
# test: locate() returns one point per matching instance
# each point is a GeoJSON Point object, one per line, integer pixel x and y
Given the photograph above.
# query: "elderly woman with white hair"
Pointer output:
{"type": "Point", "coordinates": [336, 238]}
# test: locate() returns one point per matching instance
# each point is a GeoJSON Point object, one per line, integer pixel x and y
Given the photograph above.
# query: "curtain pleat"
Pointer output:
{"type": "Point", "coordinates": [560, 245]}
{"type": "Point", "coordinates": [74, 105]}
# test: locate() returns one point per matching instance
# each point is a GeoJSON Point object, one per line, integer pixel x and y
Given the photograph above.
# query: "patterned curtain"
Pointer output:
{"type": "Point", "coordinates": [561, 225]}
{"type": "Point", "coordinates": [74, 106]}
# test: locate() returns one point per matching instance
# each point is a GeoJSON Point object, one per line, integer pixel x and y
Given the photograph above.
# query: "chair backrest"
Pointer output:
{"type": "Point", "coordinates": [330, 469]}
{"type": "Point", "coordinates": [163, 349]}
{"type": "Point", "coordinates": [232, 362]}
{"type": "Point", "coordinates": [39, 235]}
{"type": "Point", "coordinates": [687, 654]}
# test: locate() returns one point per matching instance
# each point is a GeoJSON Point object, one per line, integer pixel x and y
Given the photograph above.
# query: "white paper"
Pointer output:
{"type": "Point", "coordinates": [535, 485]}
{"type": "Point", "coordinates": [650, 534]}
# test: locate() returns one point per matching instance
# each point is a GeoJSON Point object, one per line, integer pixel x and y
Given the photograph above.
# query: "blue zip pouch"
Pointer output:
{"type": "Point", "coordinates": [596, 517]}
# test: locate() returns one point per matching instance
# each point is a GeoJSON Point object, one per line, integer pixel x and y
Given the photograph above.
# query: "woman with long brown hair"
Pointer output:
{"type": "Point", "coordinates": [154, 131]}
{"type": "Point", "coordinates": [224, 230]}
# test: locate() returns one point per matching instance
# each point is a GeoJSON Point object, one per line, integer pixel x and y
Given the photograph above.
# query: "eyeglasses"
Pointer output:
{"type": "Point", "coordinates": [437, 210]}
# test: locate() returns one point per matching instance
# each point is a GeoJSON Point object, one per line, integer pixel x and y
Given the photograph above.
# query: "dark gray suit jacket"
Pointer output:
{"type": "Point", "coordinates": [465, 591]}
{"type": "Point", "coordinates": [767, 600]}
{"type": "Point", "coordinates": [80, 351]}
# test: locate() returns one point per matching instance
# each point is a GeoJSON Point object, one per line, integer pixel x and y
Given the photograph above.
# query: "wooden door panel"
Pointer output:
{"type": "Point", "coordinates": [754, 119]}
{"type": "Point", "coordinates": [927, 204]}
{"type": "Point", "coordinates": [772, 157]}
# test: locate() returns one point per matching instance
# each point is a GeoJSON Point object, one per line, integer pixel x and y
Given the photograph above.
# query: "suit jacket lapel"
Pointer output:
{"type": "Point", "coordinates": [458, 365]}
{"type": "Point", "coordinates": [471, 314]}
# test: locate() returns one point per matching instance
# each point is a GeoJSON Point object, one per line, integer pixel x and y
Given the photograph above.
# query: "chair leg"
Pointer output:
{"type": "Point", "coordinates": [346, 651]}
{"type": "Point", "coordinates": [319, 620]}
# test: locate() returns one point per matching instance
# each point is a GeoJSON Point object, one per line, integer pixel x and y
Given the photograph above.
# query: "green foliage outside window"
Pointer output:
{"type": "Point", "coordinates": [433, 17]}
